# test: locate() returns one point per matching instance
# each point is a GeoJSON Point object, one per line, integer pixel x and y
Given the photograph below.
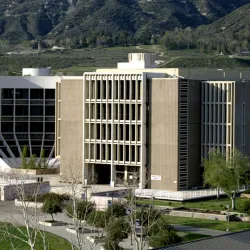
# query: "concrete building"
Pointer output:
{"type": "Point", "coordinates": [132, 125]}
{"type": "Point", "coordinates": [150, 126]}
{"type": "Point", "coordinates": [27, 108]}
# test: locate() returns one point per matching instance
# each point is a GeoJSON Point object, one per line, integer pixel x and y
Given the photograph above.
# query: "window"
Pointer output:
{"type": "Point", "coordinates": [50, 111]}
{"type": "Point", "coordinates": [133, 86]}
{"type": "Point", "coordinates": [126, 152]}
{"type": "Point", "coordinates": [104, 92]}
{"type": "Point", "coordinates": [36, 127]}
{"type": "Point", "coordinates": [98, 90]}
{"type": "Point", "coordinates": [121, 90]}
{"type": "Point", "coordinates": [49, 127]}
{"type": "Point", "coordinates": [36, 110]}
{"type": "Point", "coordinates": [50, 94]}
{"type": "Point", "coordinates": [7, 93]}
{"type": "Point", "coordinates": [7, 127]}
{"type": "Point", "coordinates": [22, 127]}
{"type": "Point", "coordinates": [127, 111]}
{"type": "Point", "coordinates": [127, 90]}
{"type": "Point", "coordinates": [36, 94]}
{"type": "Point", "coordinates": [109, 89]}
{"type": "Point", "coordinates": [7, 110]}
{"type": "Point", "coordinates": [121, 153]}
{"type": "Point", "coordinates": [139, 90]}
{"type": "Point", "coordinates": [103, 151]}
{"type": "Point", "coordinates": [22, 94]}
{"type": "Point", "coordinates": [21, 110]}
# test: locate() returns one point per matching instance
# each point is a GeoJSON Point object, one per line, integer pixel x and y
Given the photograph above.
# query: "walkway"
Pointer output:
{"type": "Point", "coordinates": [10, 213]}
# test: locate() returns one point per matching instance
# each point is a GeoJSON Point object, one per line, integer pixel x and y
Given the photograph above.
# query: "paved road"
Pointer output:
{"type": "Point", "coordinates": [10, 213]}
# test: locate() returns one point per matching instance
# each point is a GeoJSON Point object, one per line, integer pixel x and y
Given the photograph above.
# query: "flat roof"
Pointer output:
{"type": "Point", "coordinates": [239, 240]}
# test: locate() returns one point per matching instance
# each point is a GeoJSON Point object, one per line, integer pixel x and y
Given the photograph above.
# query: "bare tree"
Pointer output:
{"type": "Point", "coordinates": [21, 188]}
{"type": "Point", "coordinates": [80, 194]}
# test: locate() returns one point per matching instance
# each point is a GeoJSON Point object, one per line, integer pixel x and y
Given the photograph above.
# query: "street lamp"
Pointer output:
{"type": "Point", "coordinates": [228, 228]}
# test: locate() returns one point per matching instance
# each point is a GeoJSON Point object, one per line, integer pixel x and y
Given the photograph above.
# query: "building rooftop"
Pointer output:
{"type": "Point", "coordinates": [239, 240]}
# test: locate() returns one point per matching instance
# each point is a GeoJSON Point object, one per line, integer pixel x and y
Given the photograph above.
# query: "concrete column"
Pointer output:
{"type": "Point", "coordinates": [112, 175]}
{"type": "Point", "coordinates": [126, 175]}
{"type": "Point", "coordinates": [85, 173]}
{"type": "Point", "coordinates": [93, 172]}
{"type": "Point", "coordinates": [142, 177]}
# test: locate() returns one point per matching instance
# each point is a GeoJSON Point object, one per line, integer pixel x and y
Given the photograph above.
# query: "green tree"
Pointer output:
{"type": "Point", "coordinates": [52, 205]}
{"type": "Point", "coordinates": [43, 159]}
{"type": "Point", "coordinates": [164, 238]}
{"type": "Point", "coordinates": [243, 206]}
{"type": "Point", "coordinates": [116, 231]}
{"type": "Point", "coordinates": [97, 219]}
{"type": "Point", "coordinates": [213, 168]}
{"type": "Point", "coordinates": [83, 209]}
{"type": "Point", "coordinates": [233, 173]}
{"type": "Point", "coordinates": [32, 162]}
{"type": "Point", "coordinates": [24, 155]}
{"type": "Point", "coordinates": [117, 210]}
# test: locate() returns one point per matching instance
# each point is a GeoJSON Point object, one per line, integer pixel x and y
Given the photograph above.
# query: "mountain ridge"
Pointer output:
{"type": "Point", "coordinates": [108, 22]}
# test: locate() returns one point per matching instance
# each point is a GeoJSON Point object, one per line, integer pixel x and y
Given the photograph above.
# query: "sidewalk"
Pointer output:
{"type": "Point", "coordinates": [10, 213]}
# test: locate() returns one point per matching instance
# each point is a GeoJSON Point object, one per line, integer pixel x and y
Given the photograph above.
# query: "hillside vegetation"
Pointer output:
{"type": "Point", "coordinates": [80, 23]}
{"type": "Point", "coordinates": [230, 34]}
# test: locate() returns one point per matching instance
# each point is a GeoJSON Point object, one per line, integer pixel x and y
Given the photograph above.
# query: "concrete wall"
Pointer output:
{"type": "Point", "coordinates": [102, 201]}
{"type": "Point", "coordinates": [9, 192]}
{"type": "Point", "coordinates": [206, 216]}
{"type": "Point", "coordinates": [71, 127]}
{"type": "Point", "coordinates": [163, 136]}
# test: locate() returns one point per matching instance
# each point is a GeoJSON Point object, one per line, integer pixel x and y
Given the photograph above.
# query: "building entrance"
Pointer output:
{"type": "Point", "coordinates": [102, 173]}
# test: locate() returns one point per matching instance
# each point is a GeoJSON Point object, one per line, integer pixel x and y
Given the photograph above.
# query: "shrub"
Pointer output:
{"type": "Point", "coordinates": [83, 209]}
{"type": "Point", "coordinates": [52, 205]}
{"type": "Point", "coordinates": [117, 210]}
{"type": "Point", "coordinates": [243, 206]}
{"type": "Point", "coordinates": [61, 197]}
{"type": "Point", "coordinates": [117, 230]}
{"type": "Point", "coordinates": [112, 245]}
{"type": "Point", "coordinates": [97, 219]}
{"type": "Point", "coordinates": [42, 197]}
{"type": "Point", "coordinates": [147, 216]}
{"type": "Point", "coordinates": [164, 238]}
{"type": "Point", "coordinates": [159, 225]}
{"type": "Point", "coordinates": [247, 191]}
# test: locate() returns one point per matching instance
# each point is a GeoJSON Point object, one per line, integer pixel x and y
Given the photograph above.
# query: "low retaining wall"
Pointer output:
{"type": "Point", "coordinates": [245, 195]}
{"type": "Point", "coordinates": [29, 204]}
{"type": "Point", "coordinates": [206, 216]}
{"type": "Point", "coordinates": [41, 171]}
{"type": "Point", "coordinates": [10, 192]}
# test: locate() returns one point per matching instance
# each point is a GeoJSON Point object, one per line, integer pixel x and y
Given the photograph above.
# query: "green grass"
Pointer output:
{"type": "Point", "coordinates": [53, 242]}
{"type": "Point", "coordinates": [209, 204]}
{"type": "Point", "coordinates": [73, 62]}
{"type": "Point", "coordinates": [209, 224]}
{"type": "Point", "coordinates": [192, 236]}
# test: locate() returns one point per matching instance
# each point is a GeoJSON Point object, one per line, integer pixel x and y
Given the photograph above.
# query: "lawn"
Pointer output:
{"type": "Point", "coordinates": [208, 204]}
{"type": "Point", "coordinates": [73, 62]}
{"type": "Point", "coordinates": [53, 242]}
{"type": "Point", "coordinates": [192, 236]}
{"type": "Point", "coordinates": [210, 224]}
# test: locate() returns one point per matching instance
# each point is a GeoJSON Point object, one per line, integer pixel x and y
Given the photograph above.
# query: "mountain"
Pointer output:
{"type": "Point", "coordinates": [235, 22]}
{"type": "Point", "coordinates": [228, 35]}
{"type": "Point", "coordinates": [111, 22]}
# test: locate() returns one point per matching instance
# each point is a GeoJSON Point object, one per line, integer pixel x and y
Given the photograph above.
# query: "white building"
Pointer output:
{"type": "Point", "coordinates": [27, 108]}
